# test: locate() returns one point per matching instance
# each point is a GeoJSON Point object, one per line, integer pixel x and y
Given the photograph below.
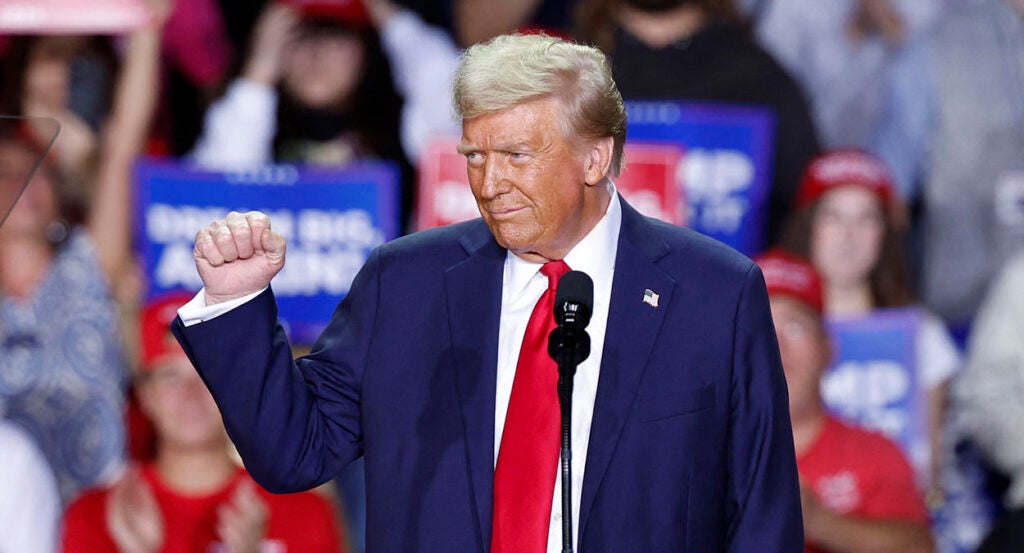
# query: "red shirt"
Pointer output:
{"type": "Point", "coordinates": [301, 522]}
{"type": "Point", "coordinates": [860, 473]}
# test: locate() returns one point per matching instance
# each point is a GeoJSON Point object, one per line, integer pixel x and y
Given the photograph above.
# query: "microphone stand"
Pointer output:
{"type": "Point", "coordinates": [572, 349]}
{"type": "Point", "coordinates": [569, 345]}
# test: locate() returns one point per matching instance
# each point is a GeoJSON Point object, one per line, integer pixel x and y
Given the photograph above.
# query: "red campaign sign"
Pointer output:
{"type": "Point", "coordinates": [649, 183]}
{"type": "Point", "coordinates": [72, 16]}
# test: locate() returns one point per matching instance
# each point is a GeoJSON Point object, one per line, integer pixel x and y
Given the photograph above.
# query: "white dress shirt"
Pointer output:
{"type": "Point", "coordinates": [522, 286]}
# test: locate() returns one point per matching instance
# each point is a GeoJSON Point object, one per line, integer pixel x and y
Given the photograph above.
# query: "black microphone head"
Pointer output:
{"type": "Point", "coordinates": [574, 299]}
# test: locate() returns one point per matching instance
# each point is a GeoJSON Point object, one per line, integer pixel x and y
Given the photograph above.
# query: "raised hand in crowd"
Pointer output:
{"type": "Point", "coordinates": [275, 29]}
{"type": "Point", "coordinates": [109, 221]}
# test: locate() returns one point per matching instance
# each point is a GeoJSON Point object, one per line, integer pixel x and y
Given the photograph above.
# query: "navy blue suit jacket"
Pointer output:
{"type": "Point", "coordinates": [690, 451]}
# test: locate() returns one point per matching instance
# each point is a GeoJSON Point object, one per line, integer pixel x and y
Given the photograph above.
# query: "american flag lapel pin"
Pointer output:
{"type": "Point", "coordinates": [650, 297]}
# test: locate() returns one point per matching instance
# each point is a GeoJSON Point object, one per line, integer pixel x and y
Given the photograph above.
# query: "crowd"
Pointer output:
{"type": "Point", "coordinates": [896, 193]}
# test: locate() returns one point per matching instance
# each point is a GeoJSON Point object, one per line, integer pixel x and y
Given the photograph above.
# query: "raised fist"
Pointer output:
{"type": "Point", "coordinates": [237, 255]}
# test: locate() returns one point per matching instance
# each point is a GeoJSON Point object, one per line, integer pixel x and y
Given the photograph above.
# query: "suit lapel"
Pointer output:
{"type": "Point", "coordinates": [632, 328]}
{"type": "Point", "coordinates": [474, 289]}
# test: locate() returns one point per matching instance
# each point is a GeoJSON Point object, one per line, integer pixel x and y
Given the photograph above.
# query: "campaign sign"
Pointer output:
{"type": "Point", "coordinates": [331, 218]}
{"type": "Point", "coordinates": [873, 380]}
{"type": "Point", "coordinates": [726, 173]}
{"type": "Point", "coordinates": [647, 183]}
{"type": "Point", "coordinates": [72, 16]}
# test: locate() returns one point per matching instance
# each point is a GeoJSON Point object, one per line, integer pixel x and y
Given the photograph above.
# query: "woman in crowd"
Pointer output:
{"type": "Point", "coordinates": [192, 497]}
{"type": "Point", "coordinates": [848, 223]}
{"type": "Point", "coordinates": [61, 366]}
{"type": "Point", "coordinates": [316, 88]}
{"type": "Point", "coordinates": [68, 78]}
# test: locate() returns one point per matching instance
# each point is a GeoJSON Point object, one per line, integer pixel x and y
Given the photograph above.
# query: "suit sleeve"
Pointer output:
{"type": "Point", "coordinates": [763, 494]}
{"type": "Point", "coordinates": [295, 423]}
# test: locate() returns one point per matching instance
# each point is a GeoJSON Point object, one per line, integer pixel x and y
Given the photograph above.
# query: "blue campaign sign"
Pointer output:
{"type": "Point", "coordinates": [725, 174]}
{"type": "Point", "coordinates": [332, 219]}
{"type": "Point", "coordinates": [873, 380]}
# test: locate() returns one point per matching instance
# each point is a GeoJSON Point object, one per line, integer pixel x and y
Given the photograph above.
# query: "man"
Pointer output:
{"type": "Point", "coordinates": [435, 368]}
{"type": "Point", "coordinates": [193, 497]}
{"type": "Point", "coordinates": [857, 490]}
{"type": "Point", "coordinates": [953, 133]}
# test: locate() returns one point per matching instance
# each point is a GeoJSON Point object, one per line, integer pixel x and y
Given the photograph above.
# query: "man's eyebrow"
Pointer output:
{"type": "Point", "coordinates": [520, 146]}
{"type": "Point", "coordinates": [464, 148]}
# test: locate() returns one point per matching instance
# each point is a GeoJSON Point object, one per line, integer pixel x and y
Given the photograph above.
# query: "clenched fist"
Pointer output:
{"type": "Point", "coordinates": [237, 255]}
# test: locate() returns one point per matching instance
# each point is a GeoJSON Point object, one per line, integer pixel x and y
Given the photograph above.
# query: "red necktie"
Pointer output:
{"type": "Point", "coordinates": [524, 478]}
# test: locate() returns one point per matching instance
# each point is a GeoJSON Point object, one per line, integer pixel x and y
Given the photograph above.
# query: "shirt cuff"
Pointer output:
{"type": "Point", "coordinates": [196, 311]}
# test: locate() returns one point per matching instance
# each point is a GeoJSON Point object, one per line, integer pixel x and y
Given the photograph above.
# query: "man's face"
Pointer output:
{"type": "Point", "coordinates": [530, 180]}
{"type": "Point", "coordinates": [803, 346]}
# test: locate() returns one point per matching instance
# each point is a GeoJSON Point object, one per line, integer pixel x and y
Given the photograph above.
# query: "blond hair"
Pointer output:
{"type": "Point", "coordinates": [512, 69]}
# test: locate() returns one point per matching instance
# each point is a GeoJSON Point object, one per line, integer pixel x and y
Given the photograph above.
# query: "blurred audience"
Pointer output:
{"type": "Point", "coordinates": [61, 367]}
{"type": "Point", "coordinates": [989, 394]}
{"type": "Point", "coordinates": [68, 78]}
{"type": "Point", "coordinates": [933, 87]}
{"type": "Point", "coordinates": [842, 53]}
{"type": "Point", "coordinates": [30, 507]}
{"type": "Point", "coordinates": [857, 490]}
{"type": "Point", "coordinates": [480, 20]}
{"type": "Point", "coordinates": [698, 50]}
{"type": "Point", "coordinates": [423, 60]}
{"type": "Point", "coordinates": [954, 129]}
{"type": "Point", "coordinates": [193, 497]}
{"type": "Point", "coordinates": [848, 222]}
{"type": "Point", "coordinates": [198, 56]}
{"type": "Point", "coordinates": [316, 87]}
{"type": "Point", "coordinates": [1007, 536]}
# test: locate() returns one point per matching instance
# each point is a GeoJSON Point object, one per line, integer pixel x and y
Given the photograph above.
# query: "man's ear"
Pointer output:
{"type": "Point", "coordinates": [598, 163]}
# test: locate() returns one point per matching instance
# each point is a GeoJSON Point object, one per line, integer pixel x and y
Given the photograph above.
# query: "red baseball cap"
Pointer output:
{"type": "Point", "coordinates": [157, 342]}
{"type": "Point", "coordinates": [844, 167]}
{"type": "Point", "coordinates": [786, 274]}
{"type": "Point", "coordinates": [351, 12]}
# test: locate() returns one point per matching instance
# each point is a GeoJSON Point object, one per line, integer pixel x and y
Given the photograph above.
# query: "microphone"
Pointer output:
{"type": "Point", "coordinates": [574, 300]}
{"type": "Point", "coordinates": [569, 343]}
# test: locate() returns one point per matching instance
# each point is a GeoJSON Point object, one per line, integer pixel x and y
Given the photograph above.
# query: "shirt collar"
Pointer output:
{"type": "Point", "coordinates": [594, 255]}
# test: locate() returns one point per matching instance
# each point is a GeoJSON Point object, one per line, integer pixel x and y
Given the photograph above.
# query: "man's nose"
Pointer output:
{"type": "Point", "coordinates": [494, 178]}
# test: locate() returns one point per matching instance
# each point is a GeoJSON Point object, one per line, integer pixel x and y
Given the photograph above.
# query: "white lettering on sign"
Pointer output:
{"type": "Point", "coordinates": [176, 268]}
{"type": "Point", "coordinates": [168, 223]}
{"type": "Point", "coordinates": [326, 247]}
{"type": "Point", "coordinates": [714, 182]}
{"type": "Point", "coordinates": [714, 174]}
{"type": "Point", "coordinates": [353, 227]}
{"type": "Point", "coordinates": [312, 270]}
{"type": "Point", "coordinates": [873, 393]}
